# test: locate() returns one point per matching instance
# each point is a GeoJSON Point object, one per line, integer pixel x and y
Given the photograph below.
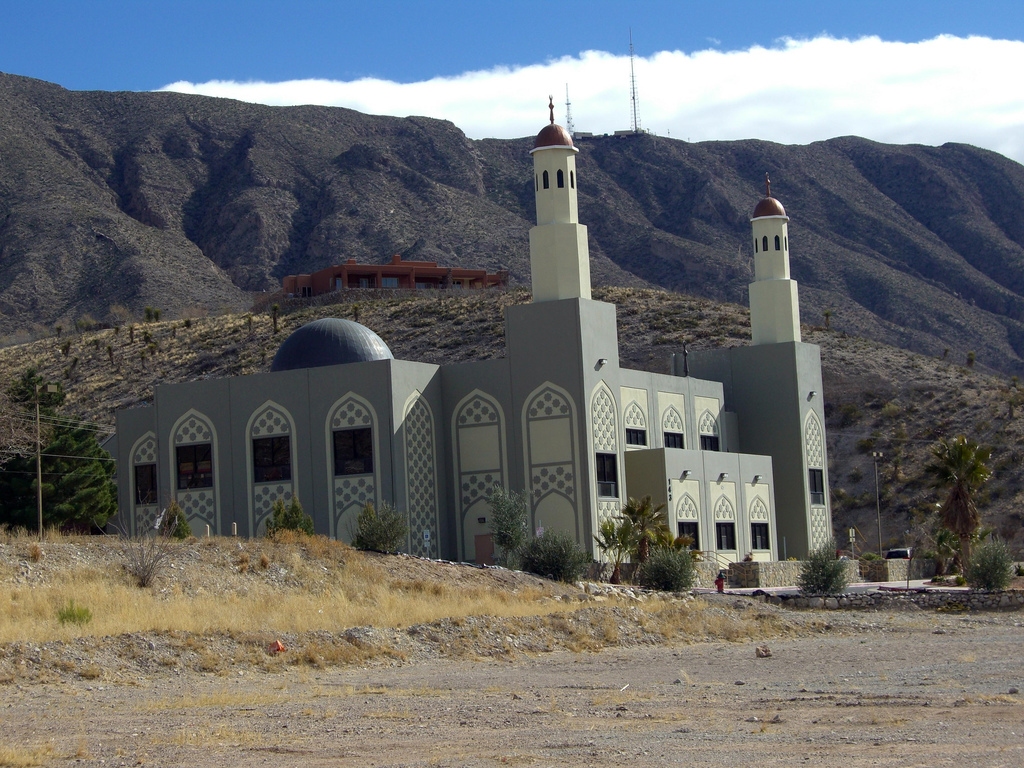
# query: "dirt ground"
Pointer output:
{"type": "Point", "coordinates": [842, 689]}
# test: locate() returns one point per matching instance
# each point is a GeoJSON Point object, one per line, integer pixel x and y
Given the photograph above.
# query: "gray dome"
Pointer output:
{"type": "Point", "coordinates": [330, 341]}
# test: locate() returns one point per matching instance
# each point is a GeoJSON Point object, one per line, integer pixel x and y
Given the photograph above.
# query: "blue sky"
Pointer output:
{"type": "Point", "coordinates": [900, 70]}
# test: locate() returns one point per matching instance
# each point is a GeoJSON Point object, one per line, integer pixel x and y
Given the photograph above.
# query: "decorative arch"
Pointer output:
{"type": "Point", "coordinates": [551, 457]}
{"type": "Point", "coordinates": [724, 509]}
{"type": "Point", "coordinates": [635, 417]}
{"type": "Point", "coordinates": [708, 424]}
{"type": "Point", "coordinates": [480, 462]}
{"type": "Point", "coordinates": [758, 511]}
{"type": "Point", "coordinates": [143, 516]}
{"type": "Point", "coordinates": [349, 493]}
{"type": "Point", "coordinates": [605, 434]}
{"type": "Point", "coordinates": [814, 442]}
{"type": "Point", "coordinates": [421, 475]}
{"type": "Point", "coordinates": [672, 420]}
{"type": "Point", "coordinates": [686, 508]}
{"type": "Point", "coordinates": [268, 420]}
{"type": "Point", "coordinates": [200, 505]}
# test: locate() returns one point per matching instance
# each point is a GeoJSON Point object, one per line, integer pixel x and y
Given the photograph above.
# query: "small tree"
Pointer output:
{"type": "Point", "coordinates": [380, 530]}
{"type": "Point", "coordinates": [174, 523]}
{"type": "Point", "coordinates": [991, 566]}
{"type": "Point", "coordinates": [616, 541]}
{"type": "Point", "coordinates": [555, 555]}
{"type": "Point", "coordinates": [822, 573]}
{"type": "Point", "coordinates": [668, 569]}
{"type": "Point", "coordinates": [509, 524]}
{"type": "Point", "coordinates": [290, 518]}
{"type": "Point", "coordinates": [649, 524]}
{"type": "Point", "coordinates": [961, 466]}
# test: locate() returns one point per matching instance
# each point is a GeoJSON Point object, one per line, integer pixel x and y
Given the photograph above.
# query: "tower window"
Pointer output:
{"type": "Point", "coordinates": [755, 245]}
{"type": "Point", "coordinates": [560, 179]}
{"type": "Point", "coordinates": [607, 475]}
{"type": "Point", "coordinates": [778, 243]}
{"type": "Point", "coordinates": [786, 242]}
{"type": "Point", "coordinates": [816, 478]}
{"type": "Point", "coordinates": [536, 183]}
{"type": "Point", "coordinates": [572, 179]}
{"type": "Point", "coordinates": [271, 459]}
{"type": "Point", "coordinates": [547, 183]}
{"type": "Point", "coordinates": [759, 536]}
{"type": "Point", "coordinates": [764, 243]}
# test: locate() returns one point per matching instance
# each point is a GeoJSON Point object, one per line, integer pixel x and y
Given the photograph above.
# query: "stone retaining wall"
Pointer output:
{"type": "Point", "coordinates": [1009, 600]}
{"type": "Point", "coordinates": [896, 570]}
{"type": "Point", "coordinates": [780, 573]}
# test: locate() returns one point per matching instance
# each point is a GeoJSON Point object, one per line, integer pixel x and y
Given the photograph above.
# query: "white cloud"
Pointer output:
{"type": "Point", "coordinates": [930, 92]}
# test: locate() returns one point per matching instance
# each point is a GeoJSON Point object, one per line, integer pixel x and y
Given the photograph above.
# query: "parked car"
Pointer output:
{"type": "Point", "coordinates": [902, 553]}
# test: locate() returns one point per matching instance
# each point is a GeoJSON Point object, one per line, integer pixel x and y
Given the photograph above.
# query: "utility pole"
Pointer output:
{"type": "Point", "coordinates": [568, 112]}
{"type": "Point", "coordinates": [632, 85]}
{"type": "Point", "coordinates": [877, 456]}
{"type": "Point", "coordinates": [39, 459]}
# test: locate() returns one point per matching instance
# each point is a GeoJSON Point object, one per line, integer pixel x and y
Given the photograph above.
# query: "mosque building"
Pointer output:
{"type": "Point", "coordinates": [732, 441]}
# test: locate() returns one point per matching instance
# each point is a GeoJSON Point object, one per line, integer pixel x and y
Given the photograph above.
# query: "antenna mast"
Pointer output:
{"type": "Point", "coordinates": [568, 112]}
{"type": "Point", "coordinates": [632, 85]}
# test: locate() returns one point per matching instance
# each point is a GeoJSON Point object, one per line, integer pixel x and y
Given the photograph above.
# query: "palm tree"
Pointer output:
{"type": "Point", "coordinates": [649, 524]}
{"type": "Point", "coordinates": [616, 541]}
{"type": "Point", "coordinates": [961, 466]}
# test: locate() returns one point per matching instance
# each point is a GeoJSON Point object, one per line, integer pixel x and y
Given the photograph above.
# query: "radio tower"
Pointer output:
{"type": "Point", "coordinates": [568, 112]}
{"type": "Point", "coordinates": [632, 85]}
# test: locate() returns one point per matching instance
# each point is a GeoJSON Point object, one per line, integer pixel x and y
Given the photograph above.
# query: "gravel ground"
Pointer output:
{"type": "Point", "coordinates": [839, 689]}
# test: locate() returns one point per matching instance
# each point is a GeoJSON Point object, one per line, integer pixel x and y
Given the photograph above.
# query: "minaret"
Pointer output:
{"type": "Point", "coordinates": [774, 305]}
{"type": "Point", "coordinates": [559, 255]}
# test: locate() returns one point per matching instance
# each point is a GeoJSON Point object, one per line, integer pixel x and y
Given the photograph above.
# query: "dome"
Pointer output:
{"type": "Point", "coordinates": [768, 206]}
{"type": "Point", "coordinates": [552, 135]}
{"type": "Point", "coordinates": [330, 341]}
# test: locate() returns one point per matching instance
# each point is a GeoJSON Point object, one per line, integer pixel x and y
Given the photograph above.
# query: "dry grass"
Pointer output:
{"type": "Point", "coordinates": [23, 757]}
{"type": "Point", "coordinates": [324, 585]}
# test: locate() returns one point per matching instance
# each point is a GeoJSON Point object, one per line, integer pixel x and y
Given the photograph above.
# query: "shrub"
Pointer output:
{"type": "Point", "coordinates": [174, 523]}
{"type": "Point", "coordinates": [74, 614]}
{"type": "Point", "coordinates": [380, 530]}
{"type": "Point", "coordinates": [509, 524]}
{"type": "Point", "coordinates": [290, 518]}
{"type": "Point", "coordinates": [144, 557]}
{"type": "Point", "coordinates": [869, 556]}
{"type": "Point", "coordinates": [668, 569]}
{"type": "Point", "coordinates": [822, 573]}
{"type": "Point", "coordinates": [991, 566]}
{"type": "Point", "coordinates": [555, 555]}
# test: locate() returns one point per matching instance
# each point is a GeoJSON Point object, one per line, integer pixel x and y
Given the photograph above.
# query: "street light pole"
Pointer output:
{"type": "Point", "coordinates": [39, 460]}
{"type": "Point", "coordinates": [876, 455]}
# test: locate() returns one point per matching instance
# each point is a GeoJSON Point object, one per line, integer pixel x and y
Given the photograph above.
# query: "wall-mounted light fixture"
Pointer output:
{"type": "Point", "coordinates": [686, 474]}
{"type": "Point", "coordinates": [723, 476]}
{"type": "Point", "coordinates": [757, 479]}
{"type": "Point", "coordinates": [812, 394]}
{"type": "Point", "coordinates": [481, 520]}
{"type": "Point", "coordinates": [601, 363]}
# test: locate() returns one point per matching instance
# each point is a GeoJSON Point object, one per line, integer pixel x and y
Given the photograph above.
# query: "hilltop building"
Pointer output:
{"type": "Point", "coordinates": [411, 275]}
{"type": "Point", "coordinates": [733, 442]}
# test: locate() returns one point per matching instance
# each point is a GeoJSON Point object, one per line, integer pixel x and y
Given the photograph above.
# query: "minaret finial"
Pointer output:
{"type": "Point", "coordinates": [551, 106]}
{"type": "Point", "coordinates": [767, 185]}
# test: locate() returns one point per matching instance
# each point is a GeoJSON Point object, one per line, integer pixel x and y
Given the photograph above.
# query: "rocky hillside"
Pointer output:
{"type": "Point", "coordinates": [877, 398]}
{"type": "Point", "coordinates": [110, 202]}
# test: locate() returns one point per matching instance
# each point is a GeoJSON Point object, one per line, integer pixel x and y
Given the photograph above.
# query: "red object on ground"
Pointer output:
{"type": "Point", "coordinates": [720, 584]}
{"type": "Point", "coordinates": [276, 647]}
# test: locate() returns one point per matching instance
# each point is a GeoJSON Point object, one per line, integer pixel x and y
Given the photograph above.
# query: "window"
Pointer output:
{"type": "Point", "coordinates": [709, 443]}
{"type": "Point", "coordinates": [572, 179]}
{"type": "Point", "coordinates": [353, 452]}
{"type": "Point", "coordinates": [764, 243]}
{"type": "Point", "coordinates": [636, 437]}
{"type": "Point", "coordinates": [271, 459]}
{"type": "Point", "coordinates": [674, 440]}
{"type": "Point", "coordinates": [560, 179]}
{"type": "Point", "coordinates": [690, 531]}
{"type": "Point", "coordinates": [536, 183]}
{"type": "Point", "coordinates": [195, 466]}
{"type": "Point", "coordinates": [759, 536]}
{"type": "Point", "coordinates": [547, 183]}
{"type": "Point", "coordinates": [755, 245]}
{"type": "Point", "coordinates": [389, 282]}
{"type": "Point", "coordinates": [778, 243]}
{"type": "Point", "coordinates": [145, 483]}
{"type": "Point", "coordinates": [607, 475]}
{"type": "Point", "coordinates": [366, 282]}
{"type": "Point", "coordinates": [725, 535]}
{"type": "Point", "coordinates": [816, 479]}
{"type": "Point", "coordinates": [307, 291]}
{"type": "Point", "coordinates": [786, 243]}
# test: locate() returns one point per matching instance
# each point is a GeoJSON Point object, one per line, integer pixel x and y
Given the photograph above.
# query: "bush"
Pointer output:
{"type": "Point", "coordinates": [509, 524]}
{"type": "Point", "coordinates": [380, 530]}
{"type": "Point", "coordinates": [822, 573]}
{"type": "Point", "coordinates": [290, 518]}
{"type": "Point", "coordinates": [554, 555]}
{"type": "Point", "coordinates": [869, 556]}
{"type": "Point", "coordinates": [991, 566]}
{"type": "Point", "coordinates": [74, 614]}
{"type": "Point", "coordinates": [668, 569]}
{"type": "Point", "coordinates": [174, 523]}
{"type": "Point", "coordinates": [145, 557]}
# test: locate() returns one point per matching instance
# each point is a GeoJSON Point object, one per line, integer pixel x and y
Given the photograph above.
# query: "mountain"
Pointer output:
{"type": "Point", "coordinates": [112, 202]}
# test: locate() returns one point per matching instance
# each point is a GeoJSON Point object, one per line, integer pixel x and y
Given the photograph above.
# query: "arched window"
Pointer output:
{"type": "Point", "coordinates": [546, 182]}
{"type": "Point", "coordinates": [536, 182]}
{"type": "Point", "coordinates": [764, 243]}
{"type": "Point", "coordinates": [778, 243]}
{"type": "Point", "coordinates": [572, 179]}
{"type": "Point", "coordinates": [786, 243]}
{"type": "Point", "coordinates": [755, 245]}
{"type": "Point", "coordinates": [560, 179]}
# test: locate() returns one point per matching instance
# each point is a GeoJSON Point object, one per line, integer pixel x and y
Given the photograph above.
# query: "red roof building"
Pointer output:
{"type": "Point", "coordinates": [410, 275]}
